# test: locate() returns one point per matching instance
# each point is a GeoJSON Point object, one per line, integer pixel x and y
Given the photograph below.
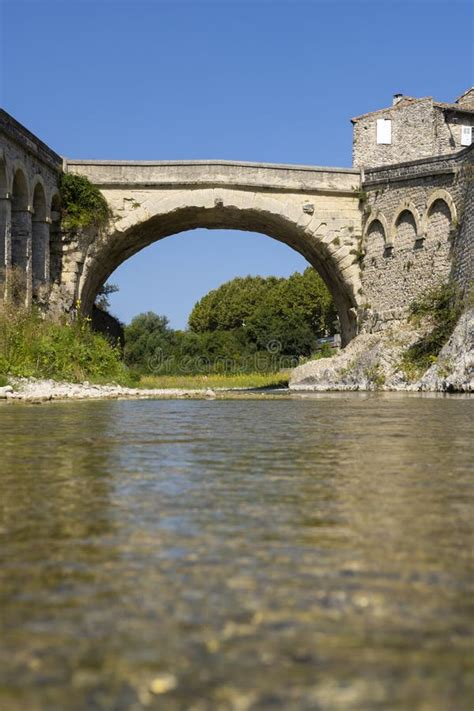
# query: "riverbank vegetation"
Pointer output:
{"type": "Point", "coordinates": [438, 311]}
{"type": "Point", "coordinates": [32, 346]}
{"type": "Point", "coordinates": [249, 332]}
{"type": "Point", "coordinates": [224, 380]}
{"type": "Point", "coordinates": [247, 325]}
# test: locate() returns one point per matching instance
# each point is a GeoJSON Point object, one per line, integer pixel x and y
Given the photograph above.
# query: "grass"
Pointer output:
{"type": "Point", "coordinates": [32, 346]}
{"type": "Point", "coordinates": [239, 380]}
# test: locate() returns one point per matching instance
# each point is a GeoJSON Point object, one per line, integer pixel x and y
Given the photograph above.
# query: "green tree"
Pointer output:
{"type": "Point", "coordinates": [146, 338]}
{"type": "Point", "coordinates": [102, 300]}
{"type": "Point", "coordinates": [227, 307]}
{"type": "Point", "coordinates": [293, 311]}
{"type": "Point", "coordinates": [244, 320]}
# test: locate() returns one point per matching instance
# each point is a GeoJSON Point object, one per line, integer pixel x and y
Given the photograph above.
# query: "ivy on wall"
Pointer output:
{"type": "Point", "coordinates": [82, 203]}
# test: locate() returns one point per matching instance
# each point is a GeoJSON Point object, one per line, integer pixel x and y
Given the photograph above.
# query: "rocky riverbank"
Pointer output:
{"type": "Point", "coordinates": [370, 362]}
{"type": "Point", "coordinates": [375, 362]}
{"type": "Point", "coordinates": [38, 391]}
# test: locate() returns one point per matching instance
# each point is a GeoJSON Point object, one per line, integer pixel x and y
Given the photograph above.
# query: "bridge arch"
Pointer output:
{"type": "Point", "coordinates": [5, 217]}
{"type": "Point", "coordinates": [327, 244]}
{"type": "Point", "coordinates": [55, 242]}
{"type": "Point", "coordinates": [40, 235]}
{"type": "Point", "coordinates": [20, 231]}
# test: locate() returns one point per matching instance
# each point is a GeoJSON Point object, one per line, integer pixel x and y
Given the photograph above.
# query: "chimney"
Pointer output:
{"type": "Point", "coordinates": [396, 99]}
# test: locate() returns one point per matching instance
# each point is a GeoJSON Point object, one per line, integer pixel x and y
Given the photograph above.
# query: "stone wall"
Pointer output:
{"type": "Point", "coordinates": [29, 173]}
{"type": "Point", "coordinates": [463, 257]}
{"type": "Point", "coordinates": [447, 129]}
{"type": "Point", "coordinates": [412, 135]}
{"type": "Point", "coordinates": [420, 128]}
{"type": "Point", "coordinates": [418, 232]}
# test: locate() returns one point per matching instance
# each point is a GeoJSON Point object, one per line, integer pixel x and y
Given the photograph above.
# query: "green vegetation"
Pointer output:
{"type": "Point", "coordinates": [246, 325]}
{"type": "Point", "coordinates": [361, 194]}
{"type": "Point", "coordinates": [247, 333]}
{"type": "Point", "coordinates": [31, 346]}
{"type": "Point", "coordinates": [439, 308]}
{"type": "Point", "coordinates": [83, 205]}
{"type": "Point", "coordinates": [102, 299]}
{"type": "Point", "coordinates": [375, 375]}
{"type": "Point", "coordinates": [224, 380]}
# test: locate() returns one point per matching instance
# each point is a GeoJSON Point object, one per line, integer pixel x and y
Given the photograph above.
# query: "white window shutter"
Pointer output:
{"type": "Point", "coordinates": [384, 131]}
{"type": "Point", "coordinates": [466, 135]}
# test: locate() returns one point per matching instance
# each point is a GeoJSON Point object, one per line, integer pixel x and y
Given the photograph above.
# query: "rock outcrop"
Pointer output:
{"type": "Point", "coordinates": [454, 368]}
{"type": "Point", "coordinates": [375, 362]}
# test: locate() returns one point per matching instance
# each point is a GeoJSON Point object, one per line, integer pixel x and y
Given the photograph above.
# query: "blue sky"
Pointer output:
{"type": "Point", "coordinates": [258, 80]}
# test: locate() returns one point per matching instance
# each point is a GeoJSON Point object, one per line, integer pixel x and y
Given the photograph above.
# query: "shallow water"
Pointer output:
{"type": "Point", "coordinates": [309, 553]}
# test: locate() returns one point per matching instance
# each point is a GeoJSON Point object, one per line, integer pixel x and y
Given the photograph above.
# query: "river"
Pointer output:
{"type": "Point", "coordinates": [298, 553]}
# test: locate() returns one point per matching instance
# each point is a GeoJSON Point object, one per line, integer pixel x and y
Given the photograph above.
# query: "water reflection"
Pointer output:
{"type": "Point", "coordinates": [296, 554]}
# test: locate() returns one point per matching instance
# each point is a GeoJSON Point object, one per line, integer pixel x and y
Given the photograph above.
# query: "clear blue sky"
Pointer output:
{"type": "Point", "coordinates": [259, 80]}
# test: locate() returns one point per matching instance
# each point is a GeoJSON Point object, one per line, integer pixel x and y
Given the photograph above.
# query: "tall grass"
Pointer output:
{"type": "Point", "coordinates": [32, 346]}
{"type": "Point", "coordinates": [216, 380]}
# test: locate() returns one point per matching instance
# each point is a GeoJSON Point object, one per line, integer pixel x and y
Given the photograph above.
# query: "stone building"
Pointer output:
{"type": "Point", "coordinates": [411, 129]}
{"type": "Point", "coordinates": [416, 160]}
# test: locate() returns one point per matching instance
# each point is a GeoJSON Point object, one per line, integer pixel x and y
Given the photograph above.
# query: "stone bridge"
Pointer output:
{"type": "Point", "coordinates": [312, 210]}
{"type": "Point", "coordinates": [377, 237]}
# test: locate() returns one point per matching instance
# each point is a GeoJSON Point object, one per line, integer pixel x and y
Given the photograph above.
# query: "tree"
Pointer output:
{"type": "Point", "coordinates": [102, 300]}
{"type": "Point", "coordinates": [294, 311]}
{"type": "Point", "coordinates": [243, 320]}
{"type": "Point", "coordinates": [147, 337]}
{"type": "Point", "coordinates": [227, 307]}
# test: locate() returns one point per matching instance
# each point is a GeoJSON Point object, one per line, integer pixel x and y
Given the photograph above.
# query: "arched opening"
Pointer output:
{"type": "Point", "coordinates": [40, 241]}
{"type": "Point", "coordinates": [406, 231]}
{"type": "Point", "coordinates": [375, 246]}
{"type": "Point", "coordinates": [55, 251]}
{"type": "Point", "coordinates": [108, 253]}
{"type": "Point", "coordinates": [439, 222]}
{"type": "Point", "coordinates": [20, 289]}
{"type": "Point", "coordinates": [5, 223]}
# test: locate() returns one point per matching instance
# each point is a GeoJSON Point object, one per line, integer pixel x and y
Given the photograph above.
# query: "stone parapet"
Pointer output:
{"type": "Point", "coordinates": [213, 173]}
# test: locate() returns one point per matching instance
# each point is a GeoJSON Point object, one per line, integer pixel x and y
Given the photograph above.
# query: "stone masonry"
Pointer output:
{"type": "Point", "coordinates": [418, 232]}
{"type": "Point", "coordinates": [379, 234]}
{"type": "Point", "coordinates": [420, 128]}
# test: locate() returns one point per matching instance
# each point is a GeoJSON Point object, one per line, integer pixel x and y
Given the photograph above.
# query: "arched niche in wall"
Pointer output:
{"type": "Point", "coordinates": [406, 229]}
{"type": "Point", "coordinates": [40, 237]}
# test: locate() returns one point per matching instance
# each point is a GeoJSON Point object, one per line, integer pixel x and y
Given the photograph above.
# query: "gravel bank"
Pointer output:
{"type": "Point", "coordinates": [32, 390]}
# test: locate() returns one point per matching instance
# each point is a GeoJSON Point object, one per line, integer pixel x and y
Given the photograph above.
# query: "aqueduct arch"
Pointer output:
{"type": "Point", "coordinates": [322, 225]}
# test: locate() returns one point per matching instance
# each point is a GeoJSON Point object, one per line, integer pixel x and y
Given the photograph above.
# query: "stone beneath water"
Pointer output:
{"type": "Point", "coordinates": [163, 683]}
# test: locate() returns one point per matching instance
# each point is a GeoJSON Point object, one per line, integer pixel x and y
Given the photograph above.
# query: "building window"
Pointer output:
{"type": "Point", "coordinates": [466, 135]}
{"type": "Point", "coordinates": [384, 131]}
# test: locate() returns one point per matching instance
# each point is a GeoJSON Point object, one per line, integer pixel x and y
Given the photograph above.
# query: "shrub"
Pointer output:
{"type": "Point", "coordinates": [31, 346]}
{"type": "Point", "coordinates": [439, 308]}
{"type": "Point", "coordinates": [82, 203]}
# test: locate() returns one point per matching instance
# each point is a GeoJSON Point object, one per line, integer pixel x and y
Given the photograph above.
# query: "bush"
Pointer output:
{"type": "Point", "coordinates": [82, 203]}
{"type": "Point", "coordinates": [31, 346]}
{"type": "Point", "coordinates": [439, 308]}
